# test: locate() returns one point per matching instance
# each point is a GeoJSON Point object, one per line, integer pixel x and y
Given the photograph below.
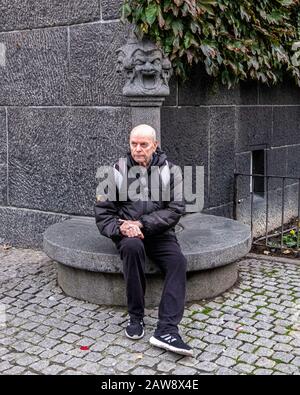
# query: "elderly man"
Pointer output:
{"type": "Point", "coordinates": [141, 227]}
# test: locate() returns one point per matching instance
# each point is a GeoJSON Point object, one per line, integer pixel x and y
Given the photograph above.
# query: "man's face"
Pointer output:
{"type": "Point", "coordinates": [141, 149]}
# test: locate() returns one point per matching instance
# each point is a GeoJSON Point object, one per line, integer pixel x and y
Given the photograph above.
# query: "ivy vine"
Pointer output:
{"type": "Point", "coordinates": [235, 39]}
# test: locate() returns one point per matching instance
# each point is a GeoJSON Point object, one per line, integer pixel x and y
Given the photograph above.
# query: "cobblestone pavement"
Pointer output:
{"type": "Point", "coordinates": [251, 329]}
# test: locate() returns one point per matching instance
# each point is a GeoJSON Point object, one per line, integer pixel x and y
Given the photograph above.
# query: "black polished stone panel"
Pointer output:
{"type": "Point", "coordinates": [254, 127]}
{"type": "Point", "coordinates": [185, 138]}
{"type": "Point", "coordinates": [3, 138]}
{"type": "Point", "coordinates": [54, 154]}
{"type": "Point", "coordinates": [28, 14]}
{"type": "Point", "coordinates": [201, 89]}
{"type": "Point", "coordinates": [286, 126]}
{"type": "Point", "coordinates": [111, 9]}
{"type": "Point", "coordinates": [222, 132]}
{"type": "Point", "coordinates": [36, 68]}
{"type": "Point", "coordinates": [93, 61]}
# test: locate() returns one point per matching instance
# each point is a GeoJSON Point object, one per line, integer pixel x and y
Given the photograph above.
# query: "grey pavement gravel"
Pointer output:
{"type": "Point", "coordinates": [254, 328]}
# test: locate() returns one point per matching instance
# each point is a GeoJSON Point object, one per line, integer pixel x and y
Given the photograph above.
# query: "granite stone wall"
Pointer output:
{"type": "Point", "coordinates": [62, 114]}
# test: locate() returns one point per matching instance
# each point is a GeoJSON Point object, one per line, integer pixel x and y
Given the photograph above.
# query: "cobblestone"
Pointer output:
{"type": "Point", "coordinates": [263, 372]}
{"type": "Point", "coordinates": [248, 348]}
{"type": "Point", "coordinates": [282, 357]}
{"type": "Point", "coordinates": [246, 338]}
{"type": "Point", "coordinates": [143, 371]}
{"type": "Point", "coordinates": [209, 367]}
{"type": "Point", "coordinates": [247, 330]}
{"type": "Point", "coordinates": [264, 352]}
{"type": "Point", "coordinates": [226, 362]}
{"type": "Point", "coordinates": [53, 369]}
{"type": "Point", "coordinates": [26, 360]}
{"type": "Point", "coordinates": [232, 353]}
{"type": "Point", "coordinates": [74, 362]}
{"type": "Point", "coordinates": [282, 338]}
{"type": "Point", "coordinates": [265, 363]}
{"type": "Point", "coordinates": [226, 372]}
{"type": "Point", "coordinates": [296, 361]}
{"type": "Point", "coordinates": [148, 361]}
{"type": "Point", "coordinates": [16, 370]}
{"type": "Point", "coordinates": [244, 368]}
{"type": "Point", "coordinates": [287, 369]}
{"type": "Point", "coordinates": [125, 366]}
{"type": "Point", "coordinates": [207, 356]}
{"type": "Point", "coordinates": [165, 366]}
{"type": "Point", "coordinates": [183, 370]}
{"type": "Point", "coordinates": [248, 358]}
{"type": "Point", "coordinates": [40, 365]}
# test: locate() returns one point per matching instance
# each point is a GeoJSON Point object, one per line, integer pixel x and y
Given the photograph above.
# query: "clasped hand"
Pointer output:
{"type": "Point", "coordinates": [131, 229]}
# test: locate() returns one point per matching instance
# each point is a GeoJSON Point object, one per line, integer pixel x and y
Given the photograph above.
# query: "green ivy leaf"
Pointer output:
{"type": "Point", "coordinates": [151, 13]}
{"type": "Point", "coordinates": [161, 20]}
{"type": "Point", "coordinates": [286, 3]}
{"type": "Point", "coordinates": [236, 40]}
{"type": "Point", "coordinates": [177, 27]}
{"type": "Point", "coordinates": [126, 10]}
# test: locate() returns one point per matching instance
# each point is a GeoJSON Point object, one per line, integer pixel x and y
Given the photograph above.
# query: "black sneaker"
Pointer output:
{"type": "Point", "coordinates": [171, 342]}
{"type": "Point", "coordinates": [135, 328]}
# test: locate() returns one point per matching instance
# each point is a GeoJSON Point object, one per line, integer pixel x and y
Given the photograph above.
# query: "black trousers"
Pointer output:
{"type": "Point", "coordinates": [165, 251]}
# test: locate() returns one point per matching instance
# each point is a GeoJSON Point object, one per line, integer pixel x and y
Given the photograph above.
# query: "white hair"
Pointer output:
{"type": "Point", "coordinates": [144, 131]}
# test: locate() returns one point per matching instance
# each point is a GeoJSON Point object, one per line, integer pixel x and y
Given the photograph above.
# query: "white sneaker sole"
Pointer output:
{"type": "Point", "coordinates": [157, 343]}
{"type": "Point", "coordinates": [135, 337]}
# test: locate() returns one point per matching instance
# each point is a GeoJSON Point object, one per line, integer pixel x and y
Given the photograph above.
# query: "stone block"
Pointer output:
{"type": "Point", "coordinates": [185, 138]}
{"type": "Point", "coordinates": [254, 127]}
{"type": "Point", "coordinates": [54, 154]}
{"type": "Point", "coordinates": [285, 93]}
{"type": "Point", "coordinates": [243, 162]}
{"type": "Point", "coordinates": [96, 137]}
{"type": "Point", "coordinates": [93, 61]}
{"type": "Point", "coordinates": [286, 129]}
{"type": "Point", "coordinates": [27, 14]}
{"type": "Point", "coordinates": [276, 160]}
{"type": "Point", "coordinates": [3, 184]}
{"type": "Point", "coordinates": [171, 100]}
{"type": "Point", "coordinates": [293, 162]}
{"type": "Point", "coordinates": [242, 165]}
{"type": "Point", "coordinates": [3, 158]}
{"type": "Point", "coordinates": [248, 93]}
{"type": "Point", "coordinates": [201, 89]}
{"type": "Point", "coordinates": [24, 228]}
{"type": "Point", "coordinates": [38, 158]}
{"type": "Point", "coordinates": [2, 54]}
{"type": "Point", "coordinates": [111, 9]}
{"type": "Point", "coordinates": [36, 68]}
{"type": "Point", "coordinates": [221, 163]}
{"type": "Point", "coordinates": [3, 138]}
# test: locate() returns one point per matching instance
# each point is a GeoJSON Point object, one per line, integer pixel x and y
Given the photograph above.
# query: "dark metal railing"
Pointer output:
{"type": "Point", "coordinates": [267, 178]}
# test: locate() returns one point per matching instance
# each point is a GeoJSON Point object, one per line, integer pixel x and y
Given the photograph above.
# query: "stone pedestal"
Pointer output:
{"type": "Point", "coordinates": [146, 110]}
{"type": "Point", "coordinates": [147, 71]}
{"type": "Point", "coordinates": [109, 289]}
{"type": "Point", "coordinates": [89, 266]}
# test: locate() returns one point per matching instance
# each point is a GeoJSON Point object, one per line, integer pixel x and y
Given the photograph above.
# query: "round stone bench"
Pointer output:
{"type": "Point", "coordinates": [89, 267]}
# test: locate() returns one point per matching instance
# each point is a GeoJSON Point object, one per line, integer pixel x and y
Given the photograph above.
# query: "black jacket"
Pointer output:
{"type": "Point", "coordinates": [157, 216]}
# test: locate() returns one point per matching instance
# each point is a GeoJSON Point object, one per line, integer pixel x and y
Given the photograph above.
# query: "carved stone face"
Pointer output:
{"type": "Point", "coordinates": [147, 70]}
